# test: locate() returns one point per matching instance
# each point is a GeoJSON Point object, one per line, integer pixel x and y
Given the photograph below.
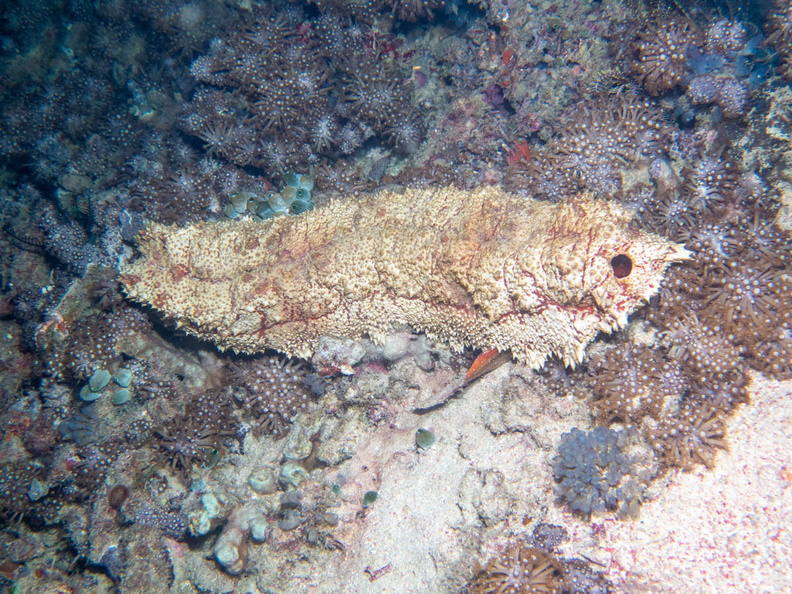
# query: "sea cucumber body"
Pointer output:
{"type": "Point", "coordinates": [483, 269]}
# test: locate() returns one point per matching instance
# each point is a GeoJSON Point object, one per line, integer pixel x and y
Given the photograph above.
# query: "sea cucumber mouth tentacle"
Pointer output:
{"type": "Point", "coordinates": [481, 269]}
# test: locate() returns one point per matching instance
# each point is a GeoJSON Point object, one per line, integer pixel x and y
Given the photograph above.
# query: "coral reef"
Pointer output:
{"type": "Point", "coordinates": [273, 390]}
{"type": "Point", "coordinates": [292, 90]}
{"type": "Point", "coordinates": [720, 65]}
{"type": "Point", "coordinates": [533, 566]}
{"type": "Point", "coordinates": [692, 436]}
{"type": "Point", "coordinates": [136, 458]}
{"type": "Point", "coordinates": [600, 142]}
{"type": "Point", "coordinates": [194, 438]}
{"type": "Point", "coordinates": [636, 382]}
{"type": "Point", "coordinates": [660, 55]}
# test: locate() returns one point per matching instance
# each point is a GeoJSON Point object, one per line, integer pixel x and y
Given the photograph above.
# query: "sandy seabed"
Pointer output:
{"type": "Point", "coordinates": [724, 530]}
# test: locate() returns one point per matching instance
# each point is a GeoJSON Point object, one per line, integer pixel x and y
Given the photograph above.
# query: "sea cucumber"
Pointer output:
{"type": "Point", "coordinates": [482, 269]}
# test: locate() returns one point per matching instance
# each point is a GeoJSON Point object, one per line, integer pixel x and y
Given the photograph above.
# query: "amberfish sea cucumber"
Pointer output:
{"type": "Point", "coordinates": [482, 268]}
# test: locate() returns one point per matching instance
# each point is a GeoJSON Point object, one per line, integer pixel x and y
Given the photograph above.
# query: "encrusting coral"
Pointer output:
{"type": "Point", "coordinates": [532, 277]}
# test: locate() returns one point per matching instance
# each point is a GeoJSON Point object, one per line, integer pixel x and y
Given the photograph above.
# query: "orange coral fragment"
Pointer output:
{"type": "Point", "coordinates": [520, 152]}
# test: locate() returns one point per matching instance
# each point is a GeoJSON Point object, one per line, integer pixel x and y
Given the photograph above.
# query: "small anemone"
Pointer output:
{"type": "Point", "coordinates": [710, 184]}
{"type": "Point", "coordinates": [521, 569]}
{"type": "Point", "coordinates": [272, 389]}
{"type": "Point", "coordinates": [660, 54]}
{"type": "Point", "coordinates": [693, 436]}
{"type": "Point", "coordinates": [193, 438]}
{"type": "Point", "coordinates": [715, 244]}
{"type": "Point", "coordinates": [705, 350]}
{"type": "Point", "coordinates": [672, 215]}
{"type": "Point", "coordinates": [749, 295]}
{"type": "Point", "coordinates": [636, 381]}
{"type": "Point", "coordinates": [774, 357]}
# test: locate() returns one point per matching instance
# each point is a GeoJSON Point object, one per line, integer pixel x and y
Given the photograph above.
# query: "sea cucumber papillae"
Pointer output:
{"type": "Point", "coordinates": [483, 269]}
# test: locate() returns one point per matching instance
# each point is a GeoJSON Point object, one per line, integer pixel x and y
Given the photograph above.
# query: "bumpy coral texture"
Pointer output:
{"type": "Point", "coordinates": [482, 269]}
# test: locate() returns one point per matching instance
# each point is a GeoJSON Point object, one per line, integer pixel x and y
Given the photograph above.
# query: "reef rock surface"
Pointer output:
{"type": "Point", "coordinates": [483, 269]}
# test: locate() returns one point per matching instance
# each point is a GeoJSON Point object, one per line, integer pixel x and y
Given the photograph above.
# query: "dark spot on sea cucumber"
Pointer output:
{"type": "Point", "coordinates": [622, 266]}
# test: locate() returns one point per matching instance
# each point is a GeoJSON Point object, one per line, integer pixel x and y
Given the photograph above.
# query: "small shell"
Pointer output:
{"type": "Point", "coordinates": [252, 203]}
{"type": "Point", "coordinates": [300, 206]}
{"type": "Point", "coordinates": [230, 212]}
{"type": "Point", "coordinates": [99, 380]}
{"type": "Point", "coordinates": [424, 439]}
{"type": "Point", "coordinates": [302, 194]}
{"type": "Point", "coordinates": [123, 377]}
{"type": "Point", "coordinates": [306, 183]}
{"type": "Point", "coordinates": [239, 201]}
{"type": "Point", "coordinates": [288, 194]}
{"type": "Point", "coordinates": [277, 203]}
{"type": "Point", "coordinates": [121, 396]}
{"type": "Point", "coordinates": [264, 211]}
{"type": "Point", "coordinates": [88, 395]}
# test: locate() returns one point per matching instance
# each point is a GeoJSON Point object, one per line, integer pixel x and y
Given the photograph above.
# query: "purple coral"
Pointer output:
{"type": "Point", "coordinates": [595, 472]}
{"type": "Point", "coordinates": [728, 92]}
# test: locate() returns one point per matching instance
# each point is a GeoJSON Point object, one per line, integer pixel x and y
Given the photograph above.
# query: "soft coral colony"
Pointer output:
{"type": "Point", "coordinates": [162, 118]}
